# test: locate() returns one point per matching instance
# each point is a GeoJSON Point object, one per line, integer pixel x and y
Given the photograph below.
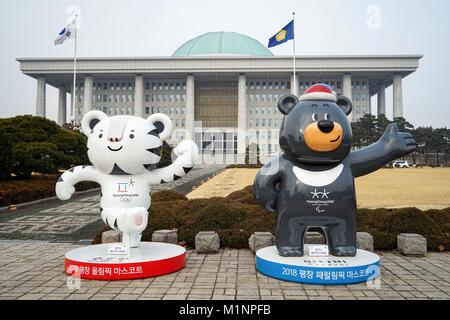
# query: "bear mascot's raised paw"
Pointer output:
{"type": "Point", "coordinates": [312, 183]}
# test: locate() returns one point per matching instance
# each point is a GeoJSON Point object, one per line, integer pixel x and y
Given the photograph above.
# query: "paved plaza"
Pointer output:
{"type": "Point", "coordinates": [34, 239]}
{"type": "Point", "coordinates": [34, 270]}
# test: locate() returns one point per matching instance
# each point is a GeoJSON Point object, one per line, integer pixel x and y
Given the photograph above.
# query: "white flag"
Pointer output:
{"type": "Point", "coordinates": [67, 33]}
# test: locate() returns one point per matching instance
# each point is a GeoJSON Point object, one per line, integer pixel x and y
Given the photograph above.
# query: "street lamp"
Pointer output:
{"type": "Point", "coordinates": [421, 145]}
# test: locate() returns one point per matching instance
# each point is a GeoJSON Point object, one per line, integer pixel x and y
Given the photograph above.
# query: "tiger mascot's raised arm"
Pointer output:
{"type": "Point", "coordinates": [124, 152]}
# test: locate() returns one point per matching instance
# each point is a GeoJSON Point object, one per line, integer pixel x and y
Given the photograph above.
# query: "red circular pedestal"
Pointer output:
{"type": "Point", "coordinates": [151, 259]}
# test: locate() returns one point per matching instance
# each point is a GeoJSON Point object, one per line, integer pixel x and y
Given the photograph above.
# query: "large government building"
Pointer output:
{"type": "Point", "coordinates": [220, 86]}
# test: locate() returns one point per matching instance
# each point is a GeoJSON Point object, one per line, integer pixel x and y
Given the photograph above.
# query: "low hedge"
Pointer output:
{"type": "Point", "coordinates": [237, 216]}
{"type": "Point", "coordinates": [38, 187]}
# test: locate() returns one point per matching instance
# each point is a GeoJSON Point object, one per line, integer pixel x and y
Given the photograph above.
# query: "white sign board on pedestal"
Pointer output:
{"type": "Point", "coordinates": [318, 251]}
{"type": "Point", "coordinates": [118, 250]}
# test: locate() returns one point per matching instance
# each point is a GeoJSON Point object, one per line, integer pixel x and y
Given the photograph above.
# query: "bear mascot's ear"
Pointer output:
{"type": "Point", "coordinates": [90, 120]}
{"type": "Point", "coordinates": [163, 125]}
{"type": "Point", "coordinates": [345, 104]}
{"type": "Point", "coordinates": [286, 103]}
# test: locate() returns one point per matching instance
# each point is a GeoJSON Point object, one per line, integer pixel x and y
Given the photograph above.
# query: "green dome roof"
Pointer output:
{"type": "Point", "coordinates": [222, 43]}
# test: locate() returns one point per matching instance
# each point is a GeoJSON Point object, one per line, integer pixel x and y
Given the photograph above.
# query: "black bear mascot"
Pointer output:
{"type": "Point", "coordinates": [312, 183]}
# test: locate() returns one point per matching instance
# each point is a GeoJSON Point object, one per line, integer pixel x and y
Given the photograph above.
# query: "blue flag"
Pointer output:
{"type": "Point", "coordinates": [285, 34]}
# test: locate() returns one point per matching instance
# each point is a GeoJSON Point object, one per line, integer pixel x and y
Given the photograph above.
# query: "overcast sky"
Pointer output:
{"type": "Point", "coordinates": [156, 28]}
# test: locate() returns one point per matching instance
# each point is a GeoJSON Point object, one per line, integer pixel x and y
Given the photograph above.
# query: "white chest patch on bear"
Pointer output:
{"type": "Point", "coordinates": [318, 178]}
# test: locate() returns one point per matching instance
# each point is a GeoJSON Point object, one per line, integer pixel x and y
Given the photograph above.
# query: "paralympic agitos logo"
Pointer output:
{"type": "Point", "coordinates": [320, 200]}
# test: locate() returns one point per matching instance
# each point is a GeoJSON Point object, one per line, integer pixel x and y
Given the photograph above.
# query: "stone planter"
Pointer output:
{"type": "Point", "coordinates": [259, 240]}
{"type": "Point", "coordinates": [313, 237]}
{"type": "Point", "coordinates": [111, 236]}
{"type": "Point", "coordinates": [412, 244]}
{"type": "Point", "coordinates": [207, 242]}
{"type": "Point", "coordinates": [167, 236]}
{"type": "Point", "coordinates": [364, 241]}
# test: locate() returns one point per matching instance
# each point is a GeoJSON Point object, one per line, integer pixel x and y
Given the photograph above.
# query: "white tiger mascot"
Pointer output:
{"type": "Point", "coordinates": [124, 151]}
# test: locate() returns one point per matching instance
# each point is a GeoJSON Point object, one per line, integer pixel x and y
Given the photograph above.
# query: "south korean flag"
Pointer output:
{"type": "Point", "coordinates": [67, 33]}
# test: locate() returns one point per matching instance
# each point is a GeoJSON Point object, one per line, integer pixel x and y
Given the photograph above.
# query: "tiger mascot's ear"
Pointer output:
{"type": "Point", "coordinates": [163, 125]}
{"type": "Point", "coordinates": [90, 120]}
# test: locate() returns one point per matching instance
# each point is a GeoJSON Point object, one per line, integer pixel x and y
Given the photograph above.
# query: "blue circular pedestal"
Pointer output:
{"type": "Point", "coordinates": [328, 270]}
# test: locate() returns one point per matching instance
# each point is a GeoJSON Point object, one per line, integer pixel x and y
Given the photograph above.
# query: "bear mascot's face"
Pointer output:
{"type": "Point", "coordinates": [315, 128]}
{"type": "Point", "coordinates": [125, 144]}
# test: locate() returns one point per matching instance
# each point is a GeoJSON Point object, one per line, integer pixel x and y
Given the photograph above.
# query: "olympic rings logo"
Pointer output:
{"type": "Point", "coordinates": [125, 200]}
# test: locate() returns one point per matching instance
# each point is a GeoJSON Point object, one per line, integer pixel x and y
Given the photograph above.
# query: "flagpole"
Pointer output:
{"type": "Point", "coordinates": [72, 113]}
{"type": "Point", "coordinates": [293, 49]}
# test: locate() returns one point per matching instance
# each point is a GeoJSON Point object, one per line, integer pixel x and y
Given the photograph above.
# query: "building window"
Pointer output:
{"type": "Point", "coordinates": [147, 110]}
{"type": "Point", "coordinates": [147, 98]}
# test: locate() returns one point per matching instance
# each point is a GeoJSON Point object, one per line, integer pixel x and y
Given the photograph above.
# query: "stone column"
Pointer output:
{"type": "Point", "coordinates": [381, 100]}
{"type": "Point", "coordinates": [40, 97]}
{"type": "Point", "coordinates": [347, 90]}
{"type": "Point", "coordinates": [87, 99]}
{"type": "Point", "coordinates": [242, 118]}
{"type": "Point", "coordinates": [62, 106]}
{"type": "Point", "coordinates": [294, 84]}
{"type": "Point", "coordinates": [190, 105]}
{"type": "Point", "coordinates": [139, 96]}
{"type": "Point", "coordinates": [397, 96]}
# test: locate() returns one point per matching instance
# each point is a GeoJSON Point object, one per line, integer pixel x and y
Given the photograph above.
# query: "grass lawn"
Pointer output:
{"type": "Point", "coordinates": [424, 188]}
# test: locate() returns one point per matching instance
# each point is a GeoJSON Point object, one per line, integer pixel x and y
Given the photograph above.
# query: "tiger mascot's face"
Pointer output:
{"type": "Point", "coordinates": [125, 144]}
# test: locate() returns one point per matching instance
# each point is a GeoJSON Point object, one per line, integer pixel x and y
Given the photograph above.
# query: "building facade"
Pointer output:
{"type": "Point", "coordinates": [221, 88]}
